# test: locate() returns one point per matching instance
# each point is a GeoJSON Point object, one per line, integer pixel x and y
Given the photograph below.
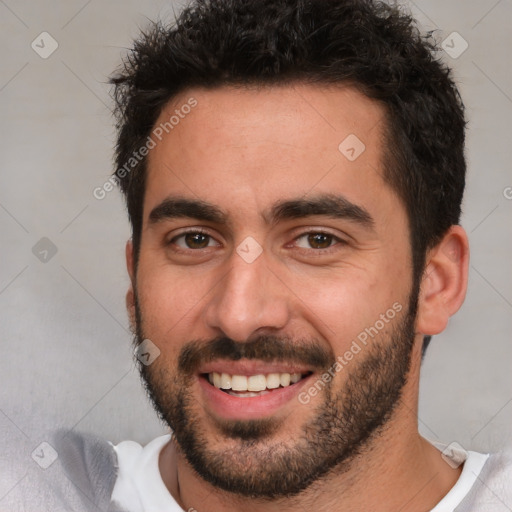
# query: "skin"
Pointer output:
{"type": "Point", "coordinates": [242, 150]}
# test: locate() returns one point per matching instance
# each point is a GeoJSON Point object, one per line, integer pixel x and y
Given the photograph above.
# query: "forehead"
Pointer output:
{"type": "Point", "coordinates": [251, 146]}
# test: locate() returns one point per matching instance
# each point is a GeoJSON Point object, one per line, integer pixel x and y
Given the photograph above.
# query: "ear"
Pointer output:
{"type": "Point", "coordinates": [444, 282]}
{"type": "Point", "coordinates": [130, 294]}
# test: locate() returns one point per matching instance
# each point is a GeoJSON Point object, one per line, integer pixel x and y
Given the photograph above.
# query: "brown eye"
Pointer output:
{"type": "Point", "coordinates": [320, 240]}
{"type": "Point", "coordinates": [196, 240]}
{"type": "Point", "coordinates": [193, 240]}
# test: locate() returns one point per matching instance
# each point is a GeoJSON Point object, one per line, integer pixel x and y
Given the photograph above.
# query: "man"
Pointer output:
{"type": "Point", "coordinates": [293, 172]}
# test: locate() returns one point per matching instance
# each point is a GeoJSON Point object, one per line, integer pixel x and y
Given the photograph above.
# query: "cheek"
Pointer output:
{"type": "Point", "coordinates": [341, 308]}
{"type": "Point", "coordinates": [169, 302]}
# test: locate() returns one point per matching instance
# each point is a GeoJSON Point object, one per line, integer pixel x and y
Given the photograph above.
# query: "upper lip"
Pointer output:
{"type": "Point", "coordinates": [251, 367]}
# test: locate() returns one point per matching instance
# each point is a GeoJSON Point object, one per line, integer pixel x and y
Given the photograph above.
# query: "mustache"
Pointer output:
{"type": "Point", "coordinates": [266, 348]}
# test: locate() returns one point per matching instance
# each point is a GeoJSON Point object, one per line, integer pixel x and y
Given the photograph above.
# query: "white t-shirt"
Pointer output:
{"type": "Point", "coordinates": [139, 486]}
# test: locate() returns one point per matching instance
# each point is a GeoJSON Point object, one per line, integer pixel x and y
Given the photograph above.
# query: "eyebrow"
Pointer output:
{"type": "Point", "coordinates": [174, 208]}
{"type": "Point", "coordinates": [328, 205]}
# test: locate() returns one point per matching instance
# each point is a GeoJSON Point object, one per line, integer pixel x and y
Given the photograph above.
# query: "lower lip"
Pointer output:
{"type": "Point", "coordinates": [228, 406]}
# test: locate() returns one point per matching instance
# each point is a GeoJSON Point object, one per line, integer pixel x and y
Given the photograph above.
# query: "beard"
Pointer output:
{"type": "Point", "coordinates": [250, 461]}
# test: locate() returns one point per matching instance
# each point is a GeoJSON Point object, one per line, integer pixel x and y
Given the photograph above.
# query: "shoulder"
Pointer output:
{"type": "Point", "coordinates": [492, 490]}
{"type": "Point", "coordinates": [90, 464]}
{"type": "Point", "coordinates": [498, 473]}
{"type": "Point", "coordinates": [68, 471]}
{"type": "Point", "coordinates": [139, 482]}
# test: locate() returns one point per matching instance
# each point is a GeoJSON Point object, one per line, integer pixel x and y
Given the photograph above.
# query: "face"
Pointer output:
{"type": "Point", "coordinates": [275, 278]}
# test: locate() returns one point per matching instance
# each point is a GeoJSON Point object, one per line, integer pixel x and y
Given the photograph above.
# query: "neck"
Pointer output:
{"type": "Point", "coordinates": [396, 470]}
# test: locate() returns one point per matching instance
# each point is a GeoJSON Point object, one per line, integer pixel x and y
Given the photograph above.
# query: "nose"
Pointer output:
{"type": "Point", "coordinates": [250, 297]}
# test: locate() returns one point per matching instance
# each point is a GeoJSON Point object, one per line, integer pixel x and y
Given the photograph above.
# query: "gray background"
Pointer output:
{"type": "Point", "coordinates": [65, 345]}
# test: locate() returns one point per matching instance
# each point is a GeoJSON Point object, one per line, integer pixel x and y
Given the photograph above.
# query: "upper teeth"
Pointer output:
{"type": "Point", "coordinates": [252, 382]}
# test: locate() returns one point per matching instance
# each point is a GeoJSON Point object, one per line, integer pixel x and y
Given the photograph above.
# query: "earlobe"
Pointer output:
{"type": "Point", "coordinates": [444, 282]}
{"type": "Point", "coordinates": [130, 294]}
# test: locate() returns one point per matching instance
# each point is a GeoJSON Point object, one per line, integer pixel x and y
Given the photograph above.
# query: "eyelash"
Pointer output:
{"type": "Point", "coordinates": [336, 240]}
{"type": "Point", "coordinates": [194, 231]}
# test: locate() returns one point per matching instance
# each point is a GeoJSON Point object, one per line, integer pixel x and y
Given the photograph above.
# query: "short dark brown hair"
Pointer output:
{"type": "Point", "coordinates": [371, 45]}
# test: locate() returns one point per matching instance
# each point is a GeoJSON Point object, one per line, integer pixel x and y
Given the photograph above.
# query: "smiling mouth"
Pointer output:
{"type": "Point", "coordinates": [244, 386]}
